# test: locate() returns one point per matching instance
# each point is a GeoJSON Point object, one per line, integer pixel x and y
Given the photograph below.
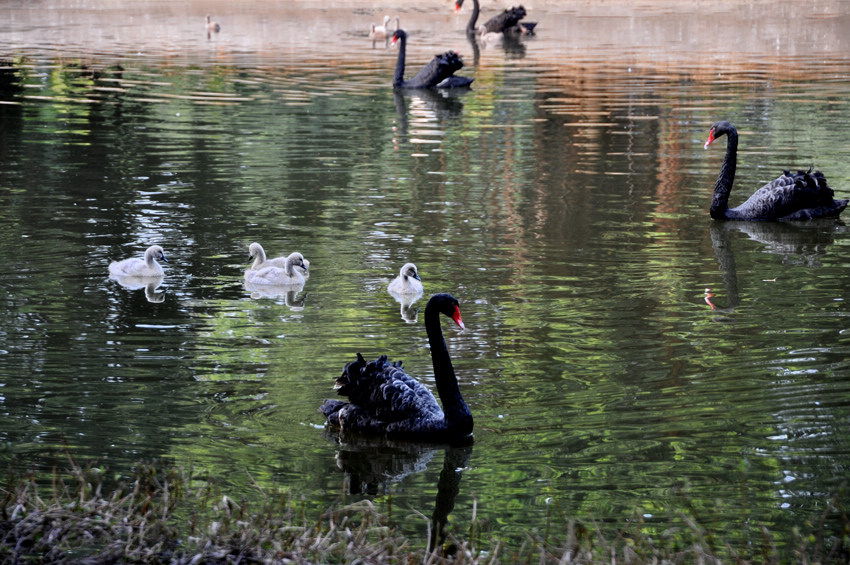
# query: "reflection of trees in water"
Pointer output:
{"type": "Point", "coordinates": [371, 465]}
{"type": "Point", "coordinates": [798, 243]}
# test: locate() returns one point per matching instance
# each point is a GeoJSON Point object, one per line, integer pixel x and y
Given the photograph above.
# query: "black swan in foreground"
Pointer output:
{"type": "Point", "coordinates": [439, 73]}
{"type": "Point", "coordinates": [386, 401]}
{"type": "Point", "coordinates": [506, 22]}
{"type": "Point", "coordinates": [803, 195]}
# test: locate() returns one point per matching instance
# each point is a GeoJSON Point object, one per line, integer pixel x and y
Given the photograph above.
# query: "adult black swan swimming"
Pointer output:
{"type": "Point", "coordinates": [439, 73]}
{"type": "Point", "coordinates": [804, 195]}
{"type": "Point", "coordinates": [386, 401]}
{"type": "Point", "coordinates": [506, 22]}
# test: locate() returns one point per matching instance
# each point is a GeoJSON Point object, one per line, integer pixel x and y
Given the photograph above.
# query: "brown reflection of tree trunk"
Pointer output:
{"type": "Point", "coordinates": [668, 193]}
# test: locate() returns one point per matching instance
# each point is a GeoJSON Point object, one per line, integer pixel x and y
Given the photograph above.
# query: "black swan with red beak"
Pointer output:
{"type": "Point", "coordinates": [383, 400]}
{"type": "Point", "coordinates": [804, 195]}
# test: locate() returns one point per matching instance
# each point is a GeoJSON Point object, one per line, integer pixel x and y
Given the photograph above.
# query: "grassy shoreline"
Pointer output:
{"type": "Point", "coordinates": [162, 514]}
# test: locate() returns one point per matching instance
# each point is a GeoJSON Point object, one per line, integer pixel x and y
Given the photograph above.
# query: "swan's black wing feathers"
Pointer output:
{"type": "Point", "coordinates": [439, 73]}
{"type": "Point", "coordinates": [504, 21]}
{"type": "Point", "coordinates": [379, 393]}
{"type": "Point", "coordinates": [793, 196]}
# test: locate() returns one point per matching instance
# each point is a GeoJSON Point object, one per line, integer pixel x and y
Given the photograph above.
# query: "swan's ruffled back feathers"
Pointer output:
{"type": "Point", "coordinates": [379, 393]}
{"type": "Point", "coordinates": [504, 21]}
{"type": "Point", "coordinates": [792, 196]}
{"type": "Point", "coordinates": [438, 69]}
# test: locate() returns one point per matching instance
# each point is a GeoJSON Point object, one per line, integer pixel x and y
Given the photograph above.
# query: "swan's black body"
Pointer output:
{"type": "Point", "coordinates": [386, 401]}
{"type": "Point", "coordinates": [439, 73]}
{"type": "Point", "coordinates": [506, 22]}
{"type": "Point", "coordinates": [804, 195]}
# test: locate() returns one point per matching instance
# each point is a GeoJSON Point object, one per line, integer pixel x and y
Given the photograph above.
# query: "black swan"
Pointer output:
{"type": "Point", "coordinates": [803, 195]}
{"type": "Point", "coordinates": [506, 22]}
{"type": "Point", "coordinates": [439, 73]}
{"type": "Point", "coordinates": [386, 401]}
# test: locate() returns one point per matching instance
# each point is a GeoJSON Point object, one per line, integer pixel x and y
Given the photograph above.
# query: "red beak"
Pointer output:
{"type": "Point", "coordinates": [456, 318]}
{"type": "Point", "coordinates": [710, 139]}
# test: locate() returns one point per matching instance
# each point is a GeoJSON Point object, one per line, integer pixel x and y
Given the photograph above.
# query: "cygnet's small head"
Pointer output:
{"type": "Point", "coordinates": [409, 270]}
{"type": "Point", "coordinates": [156, 252]}
{"type": "Point", "coordinates": [256, 250]}
{"type": "Point", "coordinates": [297, 260]}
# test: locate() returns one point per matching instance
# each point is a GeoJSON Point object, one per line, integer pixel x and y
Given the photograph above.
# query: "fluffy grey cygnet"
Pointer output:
{"type": "Point", "coordinates": [135, 267]}
{"type": "Point", "coordinates": [407, 282]}
{"type": "Point", "coordinates": [287, 275]}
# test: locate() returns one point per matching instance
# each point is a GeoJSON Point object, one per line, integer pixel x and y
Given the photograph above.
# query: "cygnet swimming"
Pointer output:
{"type": "Point", "coordinates": [407, 282]}
{"type": "Point", "coordinates": [135, 267]}
{"type": "Point", "coordinates": [287, 275]}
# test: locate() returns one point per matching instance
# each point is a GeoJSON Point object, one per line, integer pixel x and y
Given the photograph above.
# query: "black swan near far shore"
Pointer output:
{"type": "Point", "coordinates": [439, 73]}
{"type": "Point", "coordinates": [386, 401]}
{"type": "Point", "coordinates": [804, 195]}
{"type": "Point", "coordinates": [506, 22]}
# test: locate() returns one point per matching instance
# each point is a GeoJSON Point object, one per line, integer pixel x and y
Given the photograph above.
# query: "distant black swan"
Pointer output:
{"type": "Point", "coordinates": [386, 401]}
{"type": "Point", "coordinates": [803, 195]}
{"type": "Point", "coordinates": [506, 22]}
{"type": "Point", "coordinates": [439, 73]}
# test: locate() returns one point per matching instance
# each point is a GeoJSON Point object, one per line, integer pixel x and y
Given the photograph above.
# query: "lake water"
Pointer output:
{"type": "Point", "coordinates": [623, 352]}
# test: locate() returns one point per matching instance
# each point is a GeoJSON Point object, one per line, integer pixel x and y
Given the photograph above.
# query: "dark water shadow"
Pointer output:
{"type": "Point", "coordinates": [371, 465]}
{"type": "Point", "coordinates": [798, 243]}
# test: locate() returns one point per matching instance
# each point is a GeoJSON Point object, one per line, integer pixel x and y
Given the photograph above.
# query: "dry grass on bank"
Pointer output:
{"type": "Point", "coordinates": [163, 515]}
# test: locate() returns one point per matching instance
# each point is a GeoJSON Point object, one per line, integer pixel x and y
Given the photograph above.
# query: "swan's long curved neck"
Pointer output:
{"type": "Point", "coordinates": [454, 406]}
{"type": "Point", "coordinates": [723, 186]}
{"type": "Point", "coordinates": [398, 77]}
{"type": "Point", "coordinates": [473, 19]}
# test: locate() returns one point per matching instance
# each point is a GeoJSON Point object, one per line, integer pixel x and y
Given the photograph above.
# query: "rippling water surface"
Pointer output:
{"type": "Point", "coordinates": [622, 350]}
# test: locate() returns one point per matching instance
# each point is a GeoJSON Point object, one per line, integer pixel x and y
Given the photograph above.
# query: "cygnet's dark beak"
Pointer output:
{"type": "Point", "coordinates": [416, 276]}
{"type": "Point", "coordinates": [163, 258]}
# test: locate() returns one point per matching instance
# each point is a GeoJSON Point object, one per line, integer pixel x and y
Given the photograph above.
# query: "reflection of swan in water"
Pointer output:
{"type": "Point", "coordinates": [135, 267]}
{"type": "Point", "coordinates": [372, 465]}
{"type": "Point", "coordinates": [798, 243]}
{"type": "Point", "coordinates": [428, 109]}
{"type": "Point", "coordinates": [289, 292]}
{"type": "Point", "coordinates": [150, 284]}
{"type": "Point", "coordinates": [408, 313]}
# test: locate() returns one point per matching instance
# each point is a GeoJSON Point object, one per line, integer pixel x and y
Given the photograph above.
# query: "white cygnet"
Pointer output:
{"type": "Point", "coordinates": [407, 282]}
{"type": "Point", "coordinates": [258, 255]}
{"type": "Point", "coordinates": [135, 267]}
{"type": "Point", "coordinates": [287, 275]}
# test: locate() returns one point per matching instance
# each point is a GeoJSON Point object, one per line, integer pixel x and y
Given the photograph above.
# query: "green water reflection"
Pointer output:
{"type": "Point", "coordinates": [623, 352]}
